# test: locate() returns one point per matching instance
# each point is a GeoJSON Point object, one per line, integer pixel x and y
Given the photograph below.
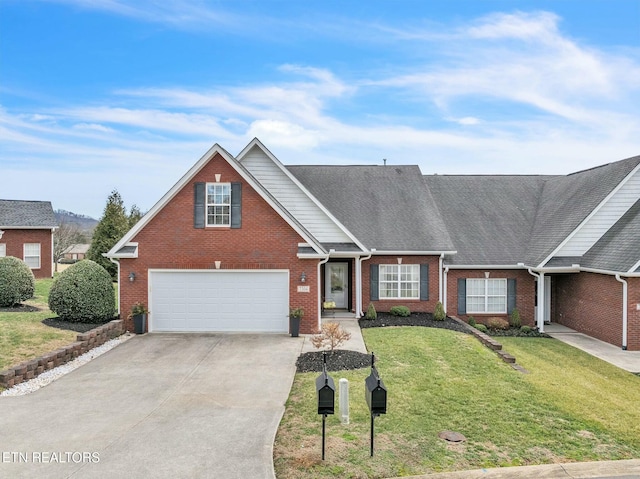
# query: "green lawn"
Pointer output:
{"type": "Point", "coordinates": [572, 407]}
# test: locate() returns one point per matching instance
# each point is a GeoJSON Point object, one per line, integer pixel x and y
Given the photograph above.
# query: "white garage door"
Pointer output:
{"type": "Point", "coordinates": [222, 300]}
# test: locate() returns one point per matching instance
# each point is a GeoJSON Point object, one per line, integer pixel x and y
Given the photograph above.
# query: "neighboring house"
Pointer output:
{"type": "Point", "coordinates": [238, 240]}
{"type": "Point", "coordinates": [26, 232]}
{"type": "Point", "coordinates": [76, 252]}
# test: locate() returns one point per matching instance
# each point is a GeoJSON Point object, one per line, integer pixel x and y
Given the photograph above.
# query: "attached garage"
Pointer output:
{"type": "Point", "coordinates": [219, 300]}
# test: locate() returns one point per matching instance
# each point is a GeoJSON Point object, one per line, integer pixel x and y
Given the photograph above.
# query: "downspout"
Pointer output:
{"type": "Point", "coordinates": [440, 261]}
{"type": "Point", "coordinates": [624, 311]}
{"type": "Point", "coordinates": [320, 292]}
{"type": "Point", "coordinates": [444, 288]}
{"type": "Point", "coordinates": [540, 312]}
{"type": "Point", "coordinates": [117, 263]}
{"type": "Point", "coordinates": [359, 309]}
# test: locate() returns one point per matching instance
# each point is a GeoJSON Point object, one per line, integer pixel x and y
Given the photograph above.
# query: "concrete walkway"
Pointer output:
{"type": "Point", "coordinates": [627, 360]}
{"type": "Point", "coordinates": [349, 324]}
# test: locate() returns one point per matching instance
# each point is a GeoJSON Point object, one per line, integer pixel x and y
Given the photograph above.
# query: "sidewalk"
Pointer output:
{"type": "Point", "coordinates": [350, 325]}
{"type": "Point", "coordinates": [629, 469]}
{"type": "Point", "coordinates": [627, 360]}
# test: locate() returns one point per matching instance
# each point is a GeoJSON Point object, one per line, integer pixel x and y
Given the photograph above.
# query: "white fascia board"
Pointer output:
{"type": "Point", "coordinates": [591, 215]}
{"type": "Point", "coordinates": [634, 267]}
{"type": "Point", "coordinates": [485, 266]}
{"type": "Point", "coordinates": [258, 143]}
{"type": "Point", "coordinates": [410, 253]}
{"type": "Point", "coordinates": [187, 177]}
{"type": "Point", "coordinates": [52, 228]}
{"type": "Point", "coordinates": [123, 255]}
{"type": "Point", "coordinates": [610, 273]}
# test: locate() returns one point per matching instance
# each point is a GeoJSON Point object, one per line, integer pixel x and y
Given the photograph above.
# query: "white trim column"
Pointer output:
{"type": "Point", "coordinates": [541, 302]}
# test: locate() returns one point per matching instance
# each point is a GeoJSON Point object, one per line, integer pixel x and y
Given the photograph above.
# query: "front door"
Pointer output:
{"type": "Point", "coordinates": [337, 284]}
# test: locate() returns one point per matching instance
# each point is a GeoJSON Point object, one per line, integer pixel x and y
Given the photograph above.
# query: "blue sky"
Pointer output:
{"type": "Point", "coordinates": [104, 94]}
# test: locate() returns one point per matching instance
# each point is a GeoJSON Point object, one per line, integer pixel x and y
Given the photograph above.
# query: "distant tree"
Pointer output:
{"type": "Point", "coordinates": [135, 215]}
{"type": "Point", "coordinates": [113, 225]}
{"type": "Point", "coordinates": [66, 235]}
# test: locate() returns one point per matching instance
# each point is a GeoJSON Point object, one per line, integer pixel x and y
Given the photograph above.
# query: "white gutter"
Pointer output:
{"type": "Point", "coordinates": [412, 253]}
{"type": "Point", "coordinates": [319, 276]}
{"type": "Point", "coordinates": [445, 289]}
{"type": "Point", "coordinates": [117, 263]}
{"type": "Point", "coordinates": [359, 308]}
{"type": "Point", "coordinates": [610, 273]}
{"type": "Point", "coordinates": [625, 307]}
{"type": "Point", "coordinates": [486, 266]}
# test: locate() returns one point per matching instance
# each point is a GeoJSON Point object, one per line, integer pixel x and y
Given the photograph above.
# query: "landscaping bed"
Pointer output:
{"type": "Point", "coordinates": [337, 360]}
{"type": "Point", "coordinates": [71, 326]}
{"type": "Point", "coordinates": [414, 319]}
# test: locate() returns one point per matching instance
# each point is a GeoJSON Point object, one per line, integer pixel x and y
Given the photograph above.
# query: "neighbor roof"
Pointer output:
{"type": "Point", "coordinates": [385, 207]}
{"type": "Point", "coordinates": [27, 214]}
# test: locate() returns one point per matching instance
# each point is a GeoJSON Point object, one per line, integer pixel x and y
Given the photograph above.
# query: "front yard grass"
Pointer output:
{"type": "Point", "coordinates": [571, 407]}
{"type": "Point", "coordinates": [22, 334]}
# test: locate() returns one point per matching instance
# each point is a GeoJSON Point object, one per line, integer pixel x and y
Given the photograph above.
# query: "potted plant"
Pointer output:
{"type": "Point", "coordinates": [295, 315]}
{"type": "Point", "coordinates": [139, 315]}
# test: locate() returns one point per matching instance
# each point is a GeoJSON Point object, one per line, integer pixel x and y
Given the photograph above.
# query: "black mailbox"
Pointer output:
{"type": "Point", "coordinates": [326, 390]}
{"type": "Point", "coordinates": [375, 393]}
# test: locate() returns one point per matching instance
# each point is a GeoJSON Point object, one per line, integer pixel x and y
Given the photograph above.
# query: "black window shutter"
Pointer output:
{"type": "Point", "coordinates": [511, 295]}
{"type": "Point", "coordinates": [236, 205]}
{"type": "Point", "coordinates": [373, 283]}
{"type": "Point", "coordinates": [462, 296]}
{"type": "Point", "coordinates": [198, 205]}
{"type": "Point", "coordinates": [424, 282]}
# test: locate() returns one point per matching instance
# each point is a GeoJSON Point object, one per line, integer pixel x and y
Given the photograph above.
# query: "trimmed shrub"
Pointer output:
{"type": "Point", "coordinates": [472, 321]}
{"type": "Point", "coordinates": [525, 329]}
{"type": "Point", "coordinates": [482, 328]}
{"type": "Point", "coordinates": [83, 293]}
{"type": "Point", "coordinates": [514, 319]}
{"type": "Point", "coordinates": [17, 283]}
{"type": "Point", "coordinates": [400, 311]}
{"type": "Point", "coordinates": [497, 323]}
{"type": "Point", "coordinates": [439, 314]}
{"type": "Point", "coordinates": [371, 312]}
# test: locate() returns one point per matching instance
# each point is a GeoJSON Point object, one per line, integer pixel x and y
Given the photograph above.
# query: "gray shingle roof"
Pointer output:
{"type": "Point", "coordinates": [619, 248]}
{"type": "Point", "coordinates": [26, 214]}
{"type": "Point", "coordinates": [489, 217]}
{"type": "Point", "coordinates": [385, 207]}
{"type": "Point", "coordinates": [567, 200]}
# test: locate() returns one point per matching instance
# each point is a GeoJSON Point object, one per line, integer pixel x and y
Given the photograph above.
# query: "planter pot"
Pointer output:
{"type": "Point", "coordinates": [140, 323]}
{"type": "Point", "coordinates": [294, 326]}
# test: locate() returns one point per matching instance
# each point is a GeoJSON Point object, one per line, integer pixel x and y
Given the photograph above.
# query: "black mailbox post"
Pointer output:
{"type": "Point", "coordinates": [375, 393]}
{"type": "Point", "coordinates": [326, 392]}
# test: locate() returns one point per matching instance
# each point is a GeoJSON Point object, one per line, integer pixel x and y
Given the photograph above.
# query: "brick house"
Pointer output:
{"type": "Point", "coordinates": [239, 240]}
{"type": "Point", "coordinates": [26, 232]}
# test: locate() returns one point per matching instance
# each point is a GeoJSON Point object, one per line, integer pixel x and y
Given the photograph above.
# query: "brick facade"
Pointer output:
{"type": "Point", "coordinates": [525, 293]}
{"type": "Point", "coordinates": [265, 241]}
{"type": "Point", "coordinates": [592, 304]}
{"type": "Point", "coordinates": [15, 240]}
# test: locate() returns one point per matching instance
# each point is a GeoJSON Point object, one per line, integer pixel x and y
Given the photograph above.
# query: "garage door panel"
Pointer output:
{"type": "Point", "coordinates": [219, 301]}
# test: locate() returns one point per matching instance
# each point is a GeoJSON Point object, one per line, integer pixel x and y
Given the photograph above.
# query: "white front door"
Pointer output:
{"type": "Point", "coordinates": [337, 284]}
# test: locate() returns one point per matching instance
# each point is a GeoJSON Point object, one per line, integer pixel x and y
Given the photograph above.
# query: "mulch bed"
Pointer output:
{"type": "Point", "coordinates": [337, 360]}
{"type": "Point", "coordinates": [414, 319]}
{"type": "Point", "coordinates": [77, 327]}
{"type": "Point", "coordinates": [19, 308]}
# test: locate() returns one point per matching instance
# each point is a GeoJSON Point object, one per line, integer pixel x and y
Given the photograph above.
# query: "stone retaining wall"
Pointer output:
{"type": "Point", "coordinates": [84, 342]}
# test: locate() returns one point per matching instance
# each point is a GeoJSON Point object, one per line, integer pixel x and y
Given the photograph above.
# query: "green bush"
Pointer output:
{"type": "Point", "coordinates": [439, 314]}
{"type": "Point", "coordinates": [400, 311]}
{"type": "Point", "coordinates": [497, 323]}
{"type": "Point", "coordinates": [482, 328]}
{"type": "Point", "coordinates": [514, 319]}
{"type": "Point", "coordinates": [472, 321]}
{"type": "Point", "coordinates": [371, 312]}
{"type": "Point", "coordinates": [17, 283]}
{"type": "Point", "coordinates": [525, 329]}
{"type": "Point", "coordinates": [83, 293]}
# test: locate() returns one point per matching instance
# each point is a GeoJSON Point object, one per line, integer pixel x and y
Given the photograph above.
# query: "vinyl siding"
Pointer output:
{"type": "Point", "coordinates": [608, 214]}
{"type": "Point", "coordinates": [296, 201]}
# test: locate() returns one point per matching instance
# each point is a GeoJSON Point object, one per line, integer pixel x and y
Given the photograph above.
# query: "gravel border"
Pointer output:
{"type": "Point", "coordinates": [51, 375]}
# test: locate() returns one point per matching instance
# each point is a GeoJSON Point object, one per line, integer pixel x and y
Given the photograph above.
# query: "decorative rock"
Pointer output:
{"type": "Point", "coordinates": [451, 436]}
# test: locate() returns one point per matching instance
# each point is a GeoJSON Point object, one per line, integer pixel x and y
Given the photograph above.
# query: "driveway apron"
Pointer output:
{"type": "Point", "coordinates": [159, 405]}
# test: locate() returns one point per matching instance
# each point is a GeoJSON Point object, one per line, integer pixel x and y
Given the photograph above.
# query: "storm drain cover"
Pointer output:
{"type": "Point", "coordinates": [452, 436]}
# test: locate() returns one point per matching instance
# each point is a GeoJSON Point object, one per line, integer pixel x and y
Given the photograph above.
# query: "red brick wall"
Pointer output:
{"type": "Point", "coordinates": [592, 304]}
{"type": "Point", "coordinates": [413, 304]}
{"type": "Point", "coordinates": [265, 241]}
{"type": "Point", "coordinates": [525, 293]}
{"type": "Point", "coordinates": [15, 239]}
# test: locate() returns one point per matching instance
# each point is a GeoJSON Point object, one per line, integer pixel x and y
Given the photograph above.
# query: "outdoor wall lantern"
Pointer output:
{"type": "Point", "coordinates": [303, 277]}
{"type": "Point", "coordinates": [132, 276]}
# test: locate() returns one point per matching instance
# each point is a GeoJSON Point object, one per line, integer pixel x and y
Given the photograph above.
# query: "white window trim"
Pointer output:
{"type": "Point", "coordinates": [399, 282]}
{"type": "Point", "coordinates": [25, 256]}
{"type": "Point", "coordinates": [487, 295]}
{"type": "Point", "coordinates": [207, 205]}
{"type": "Point", "coordinates": [3, 250]}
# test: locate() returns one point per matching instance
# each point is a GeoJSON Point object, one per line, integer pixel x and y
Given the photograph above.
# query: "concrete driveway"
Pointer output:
{"type": "Point", "coordinates": [159, 405]}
